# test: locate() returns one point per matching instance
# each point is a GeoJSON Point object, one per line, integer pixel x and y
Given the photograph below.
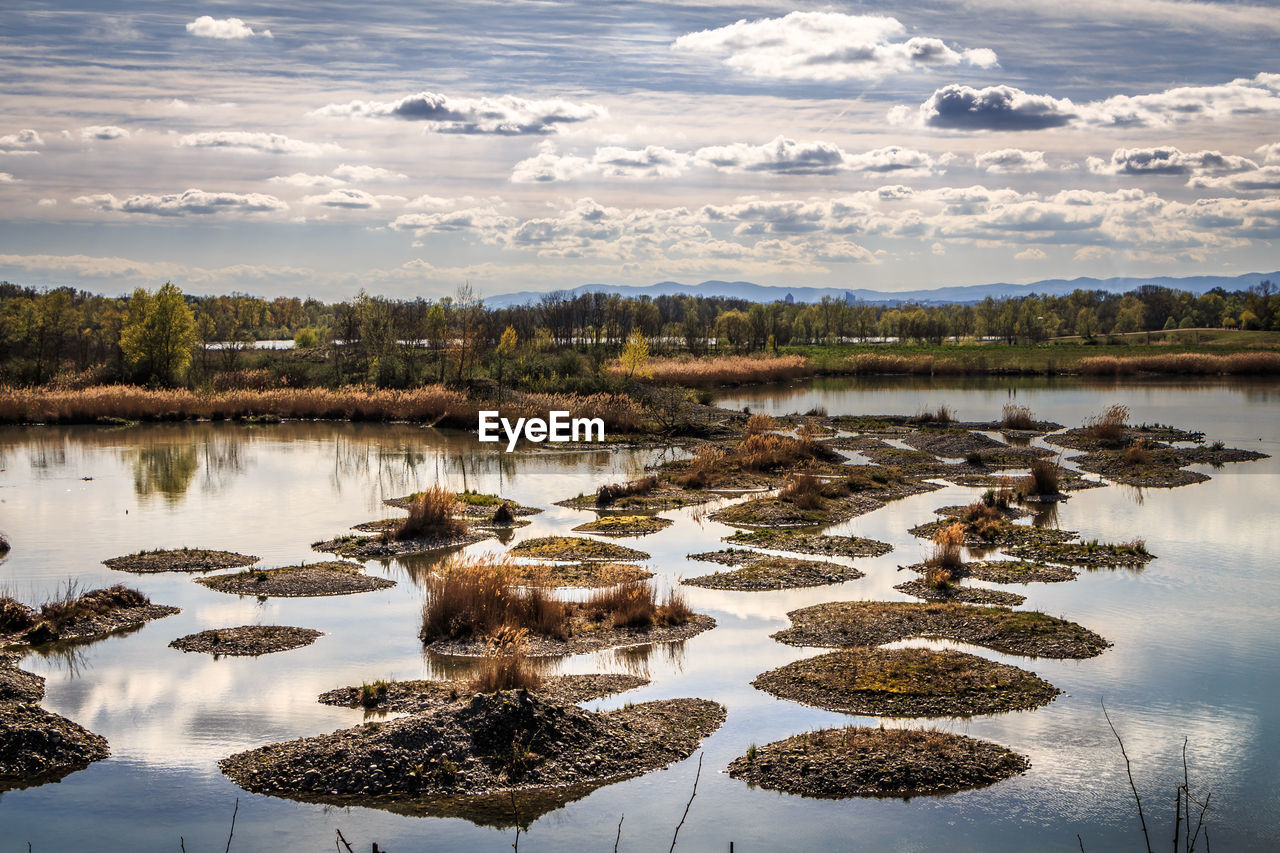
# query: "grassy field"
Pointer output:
{"type": "Point", "coordinates": [1058, 355]}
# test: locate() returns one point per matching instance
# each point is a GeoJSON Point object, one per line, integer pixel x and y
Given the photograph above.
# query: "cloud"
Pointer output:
{"type": "Point", "coordinates": [1007, 108]}
{"type": "Point", "coordinates": [346, 199]}
{"type": "Point", "coordinates": [6, 178]}
{"type": "Point", "coordinates": [1264, 178]}
{"type": "Point", "coordinates": [825, 46]}
{"type": "Point", "coordinates": [193, 201]}
{"type": "Point", "coordinates": [1031, 254]}
{"type": "Point", "coordinates": [103, 132]}
{"type": "Point", "coordinates": [506, 115]}
{"type": "Point", "coordinates": [780, 156]}
{"type": "Point", "coordinates": [223, 28]}
{"type": "Point", "coordinates": [366, 174]}
{"type": "Point", "coordinates": [265, 143]}
{"type": "Point", "coordinates": [1168, 160]}
{"type": "Point", "coordinates": [1011, 161]}
{"type": "Point", "coordinates": [302, 179]}
{"type": "Point", "coordinates": [957, 107]}
{"type": "Point", "coordinates": [1270, 153]}
{"type": "Point", "coordinates": [20, 142]}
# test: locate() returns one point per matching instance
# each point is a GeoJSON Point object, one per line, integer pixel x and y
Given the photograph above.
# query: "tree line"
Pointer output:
{"type": "Point", "coordinates": [167, 337]}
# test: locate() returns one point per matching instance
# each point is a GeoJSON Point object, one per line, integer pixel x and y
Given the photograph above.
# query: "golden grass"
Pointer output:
{"type": "Point", "coordinates": [634, 604]}
{"type": "Point", "coordinates": [1239, 363]}
{"type": "Point", "coordinates": [474, 598]}
{"type": "Point", "coordinates": [1108, 427]}
{"type": "Point", "coordinates": [429, 403]}
{"type": "Point", "coordinates": [726, 370]}
{"type": "Point", "coordinates": [1014, 416]}
{"type": "Point", "coordinates": [506, 666]}
{"type": "Point", "coordinates": [431, 514]}
{"type": "Point", "coordinates": [947, 543]}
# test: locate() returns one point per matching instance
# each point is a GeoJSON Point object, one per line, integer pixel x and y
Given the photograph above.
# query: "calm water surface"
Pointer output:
{"type": "Point", "coordinates": [1195, 634]}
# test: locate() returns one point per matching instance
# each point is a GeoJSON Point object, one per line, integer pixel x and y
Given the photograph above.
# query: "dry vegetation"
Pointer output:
{"type": "Point", "coordinates": [431, 515]}
{"type": "Point", "coordinates": [945, 560]}
{"type": "Point", "coordinates": [431, 403]}
{"type": "Point", "coordinates": [1043, 479]}
{"type": "Point", "coordinates": [505, 666]}
{"type": "Point", "coordinates": [610, 492]}
{"type": "Point", "coordinates": [759, 451]}
{"type": "Point", "coordinates": [1014, 416]}
{"type": "Point", "coordinates": [1108, 427]}
{"type": "Point", "coordinates": [1200, 364]}
{"type": "Point", "coordinates": [728, 370]}
{"type": "Point", "coordinates": [470, 599]}
{"type": "Point", "coordinates": [634, 604]}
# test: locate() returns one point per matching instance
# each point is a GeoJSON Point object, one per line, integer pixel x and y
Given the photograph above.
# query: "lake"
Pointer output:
{"type": "Point", "coordinates": [1195, 635]}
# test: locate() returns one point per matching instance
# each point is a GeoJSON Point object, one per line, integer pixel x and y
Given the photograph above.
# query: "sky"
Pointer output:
{"type": "Point", "coordinates": [321, 148]}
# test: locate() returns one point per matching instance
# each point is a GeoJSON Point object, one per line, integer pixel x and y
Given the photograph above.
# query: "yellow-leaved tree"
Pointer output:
{"type": "Point", "coordinates": [635, 355]}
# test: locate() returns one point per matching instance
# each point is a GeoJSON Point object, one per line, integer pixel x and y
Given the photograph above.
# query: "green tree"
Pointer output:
{"type": "Point", "coordinates": [506, 348]}
{"type": "Point", "coordinates": [159, 334]}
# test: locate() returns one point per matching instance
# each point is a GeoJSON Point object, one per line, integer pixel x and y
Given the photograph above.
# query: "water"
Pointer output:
{"type": "Point", "coordinates": [1195, 637]}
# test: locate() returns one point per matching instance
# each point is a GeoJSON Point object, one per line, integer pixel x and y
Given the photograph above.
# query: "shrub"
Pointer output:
{"type": "Point", "coordinates": [1043, 478]}
{"type": "Point", "coordinates": [975, 459]}
{"type": "Point", "coordinates": [943, 415]}
{"type": "Point", "coordinates": [759, 423]}
{"type": "Point", "coordinates": [372, 694]}
{"type": "Point", "coordinates": [609, 493]}
{"type": "Point", "coordinates": [15, 616]}
{"type": "Point", "coordinates": [703, 469]}
{"type": "Point", "coordinates": [504, 515]}
{"type": "Point", "coordinates": [1108, 427]}
{"type": "Point", "coordinates": [431, 514]}
{"type": "Point", "coordinates": [803, 490]}
{"type": "Point", "coordinates": [1137, 453]}
{"type": "Point", "coordinates": [947, 543]}
{"type": "Point", "coordinates": [70, 607]}
{"type": "Point", "coordinates": [506, 665]}
{"type": "Point", "coordinates": [1014, 416]}
{"type": "Point", "coordinates": [634, 604]}
{"type": "Point", "coordinates": [471, 598]}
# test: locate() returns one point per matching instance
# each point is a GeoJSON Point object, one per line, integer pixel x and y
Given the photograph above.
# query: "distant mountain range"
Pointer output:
{"type": "Point", "coordinates": [941, 295]}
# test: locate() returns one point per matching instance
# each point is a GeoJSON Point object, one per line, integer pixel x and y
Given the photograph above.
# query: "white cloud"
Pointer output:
{"type": "Point", "coordinates": [504, 115]}
{"type": "Point", "coordinates": [1167, 160]}
{"type": "Point", "coordinates": [103, 132]}
{"type": "Point", "coordinates": [1270, 153]}
{"type": "Point", "coordinates": [346, 199]}
{"type": "Point", "coordinates": [825, 46]}
{"type": "Point", "coordinates": [302, 179]}
{"type": "Point", "coordinates": [1007, 108]}
{"type": "Point", "coordinates": [193, 201]}
{"type": "Point", "coordinates": [1031, 254]}
{"type": "Point", "coordinates": [223, 28]}
{"type": "Point", "coordinates": [47, 202]}
{"type": "Point", "coordinates": [265, 143]}
{"type": "Point", "coordinates": [780, 156]}
{"type": "Point", "coordinates": [6, 178]}
{"type": "Point", "coordinates": [366, 174]}
{"type": "Point", "coordinates": [21, 142]}
{"type": "Point", "coordinates": [1011, 161]}
{"type": "Point", "coordinates": [1264, 178]}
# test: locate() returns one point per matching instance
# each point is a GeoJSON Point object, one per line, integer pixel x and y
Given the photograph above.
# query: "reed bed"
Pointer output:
{"type": "Point", "coordinates": [1187, 363]}
{"type": "Point", "coordinates": [927, 365]}
{"type": "Point", "coordinates": [430, 403]}
{"type": "Point", "coordinates": [477, 598]}
{"type": "Point", "coordinates": [727, 370]}
{"type": "Point", "coordinates": [431, 514]}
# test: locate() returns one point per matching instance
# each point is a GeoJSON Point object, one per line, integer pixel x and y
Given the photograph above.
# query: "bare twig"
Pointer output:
{"type": "Point", "coordinates": [343, 840]}
{"type": "Point", "coordinates": [1128, 767]}
{"type": "Point", "coordinates": [235, 812]}
{"type": "Point", "coordinates": [696, 777]}
{"type": "Point", "coordinates": [618, 840]}
{"type": "Point", "coordinates": [516, 811]}
{"type": "Point", "coordinates": [1080, 841]}
{"type": "Point", "coordinates": [1200, 823]}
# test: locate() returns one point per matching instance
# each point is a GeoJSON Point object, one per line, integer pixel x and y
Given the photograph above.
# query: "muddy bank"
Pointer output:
{"type": "Point", "coordinates": [665, 496]}
{"type": "Point", "coordinates": [1131, 555]}
{"type": "Point", "coordinates": [861, 762]}
{"type": "Point", "coordinates": [38, 747]}
{"type": "Point", "coordinates": [179, 560]}
{"type": "Point", "coordinates": [810, 543]}
{"type": "Point", "coordinates": [586, 635]}
{"type": "Point", "coordinates": [386, 546]}
{"type": "Point", "coordinates": [17, 686]}
{"type": "Point", "coordinates": [489, 743]}
{"type": "Point", "coordinates": [907, 683]}
{"type": "Point", "coordinates": [841, 624]}
{"type": "Point", "coordinates": [999, 534]}
{"type": "Point", "coordinates": [1008, 571]}
{"type": "Point", "coordinates": [764, 572]}
{"type": "Point", "coordinates": [472, 504]}
{"type": "Point", "coordinates": [92, 616]}
{"type": "Point", "coordinates": [777, 512]}
{"type": "Point", "coordinates": [308, 579]}
{"type": "Point", "coordinates": [965, 594]}
{"type": "Point", "coordinates": [589, 575]}
{"type": "Point", "coordinates": [1156, 469]}
{"type": "Point", "coordinates": [624, 525]}
{"type": "Point", "coordinates": [412, 697]}
{"type": "Point", "coordinates": [247, 640]}
{"type": "Point", "coordinates": [577, 548]}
